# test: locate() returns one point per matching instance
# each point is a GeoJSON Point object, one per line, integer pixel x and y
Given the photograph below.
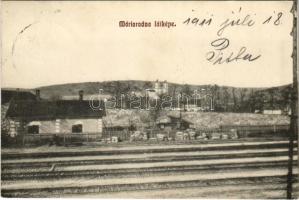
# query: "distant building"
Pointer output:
{"type": "Point", "coordinates": [273, 109]}
{"type": "Point", "coordinates": [60, 116]}
{"type": "Point", "coordinates": [272, 112]}
{"type": "Point", "coordinates": [159, 88]}
{"type": "Point", "coordinates": [173, 123]}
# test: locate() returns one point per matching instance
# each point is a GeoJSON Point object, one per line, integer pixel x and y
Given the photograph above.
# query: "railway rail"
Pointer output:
{"type": "Point", "coordinates": [149, 158]}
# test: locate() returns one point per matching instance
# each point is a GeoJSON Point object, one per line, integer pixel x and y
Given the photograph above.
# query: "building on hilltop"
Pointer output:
{"type": "Point", "coordinates": [159, 88]}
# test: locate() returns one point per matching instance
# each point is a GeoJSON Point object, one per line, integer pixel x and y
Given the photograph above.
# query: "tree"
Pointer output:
{"type": "Point", "coordinates": [186, 90]}
{"type": "Point", "coordinates": [154, 112]}
{"type": "Point", "coordinates": [286, 98]}
{"type": "Point", "coordinates": [251, 102]}
{"type": "Point", "coordinates": [185, 95]}
{"type": "Point", "coordinates": [121, 93]}
{"type": "Point", "coordinates": [126, 94]}
{"type": "Point", "coordinates": [234, 99]}
{"type": "Point", "coordinates": [272, 100]}
{"type": "Point", "coordinates": [147, 85]}
{"type": "Point", "coordinates": [243, 106]}
{"type": "Point", "coordinates": [259, 99]}
{"type": "Point", "coordinates": [215, 95]}
{"type": "Point", "coordinates": [174, 91]}
{"type": "Point", "coordinates": [225, 98]}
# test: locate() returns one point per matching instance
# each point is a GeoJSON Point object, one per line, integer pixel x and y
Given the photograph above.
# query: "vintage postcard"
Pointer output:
{"type": "Point", "coordinates": [149, 99]}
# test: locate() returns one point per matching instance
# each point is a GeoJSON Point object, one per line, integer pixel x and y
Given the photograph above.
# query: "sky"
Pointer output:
{"type": "Point", "coordinates": [46, 43]}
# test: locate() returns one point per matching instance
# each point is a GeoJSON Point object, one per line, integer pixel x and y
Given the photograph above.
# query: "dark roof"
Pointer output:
{"type": "Point", "coordinates": [8, 95]}
{"type": "Point", "coordinates": [178, 118]}
{"type": "Point", "coordinates": [172, 119]}
{"type": "Point", "coordinates": [53, 109]}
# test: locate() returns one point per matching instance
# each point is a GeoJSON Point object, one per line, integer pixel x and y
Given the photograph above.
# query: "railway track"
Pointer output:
{"type": "Point", "coordinates": [112, 173]}
{"type": "Point", "coordinates": [151, 149]}
{"type": "Point", "coordinates": [238, 165]}
{"type": "Point", "coordinates": [203, 155]}
{"type": "Point", "coordinates": [154, 185]}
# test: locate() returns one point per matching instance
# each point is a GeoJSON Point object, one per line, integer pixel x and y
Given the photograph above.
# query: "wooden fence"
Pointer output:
{"type": "Point", "coordinates": [273, 128]}
{"type": "Point", "coordinates": [124, 135]}
{"type": "Point", "coordinates": [61, 138]}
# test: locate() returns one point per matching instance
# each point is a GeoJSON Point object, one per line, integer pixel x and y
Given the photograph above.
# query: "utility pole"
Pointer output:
{"type": "Point", "coordinates": [294, 105]}
{"type": "Point", "coordinates": [181, 95]}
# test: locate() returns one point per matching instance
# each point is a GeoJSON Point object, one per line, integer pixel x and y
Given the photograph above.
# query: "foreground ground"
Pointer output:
{"type": "Point", "coordinates": [217, 169]}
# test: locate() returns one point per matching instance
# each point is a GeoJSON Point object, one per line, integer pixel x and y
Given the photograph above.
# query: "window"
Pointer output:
{"type": "Point", "coordinates": [77, 128]}
{"type": "Point", "coordinates": [33, 129]}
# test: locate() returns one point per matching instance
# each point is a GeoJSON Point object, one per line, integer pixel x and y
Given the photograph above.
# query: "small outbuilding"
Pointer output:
{"type": "Point", "coordinates": [173, 123]}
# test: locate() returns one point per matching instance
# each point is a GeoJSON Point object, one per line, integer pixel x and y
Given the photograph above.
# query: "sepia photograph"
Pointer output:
{"type": "Point", "coordinates": [149, 99]}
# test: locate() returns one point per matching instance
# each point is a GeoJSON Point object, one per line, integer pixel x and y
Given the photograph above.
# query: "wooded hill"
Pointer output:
{"type": "Point", "coordinates": [227, 99]}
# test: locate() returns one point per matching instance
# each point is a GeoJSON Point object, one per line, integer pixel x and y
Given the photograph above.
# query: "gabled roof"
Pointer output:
{"type": "Point", "coordinates": [7, 95]}
{"type": "Point", "coordinates": [33, 109]}
{"type": "Point", "coordinates": [183, 119]}
{"type": "Point", "coordinates": [170, 119]}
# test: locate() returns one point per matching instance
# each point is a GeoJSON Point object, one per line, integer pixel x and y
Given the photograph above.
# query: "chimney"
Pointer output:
{"type": "Point", "coordinates": [81, 95]}
{"type": "Point", "coordinates": [37, 94]}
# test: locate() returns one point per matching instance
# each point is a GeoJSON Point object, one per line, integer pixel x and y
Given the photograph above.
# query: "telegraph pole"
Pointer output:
{"type": "Point", "coordinates": [294, 105]}
{"type": "Point", "coordinates": [181, 97]}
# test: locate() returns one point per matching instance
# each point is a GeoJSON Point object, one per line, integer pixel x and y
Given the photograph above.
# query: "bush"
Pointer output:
{"type": "Point", "coordinates": [6, 139]}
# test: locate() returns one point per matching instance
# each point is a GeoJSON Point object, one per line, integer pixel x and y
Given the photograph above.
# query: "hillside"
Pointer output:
{"type": "Point", "coordinates": [225, 99]}
{"type": "Point", "coordinates": [112, 87]}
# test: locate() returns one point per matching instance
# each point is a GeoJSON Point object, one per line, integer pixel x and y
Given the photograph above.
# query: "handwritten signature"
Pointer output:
{"type": "Point", "coordinates": [217, 55]}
